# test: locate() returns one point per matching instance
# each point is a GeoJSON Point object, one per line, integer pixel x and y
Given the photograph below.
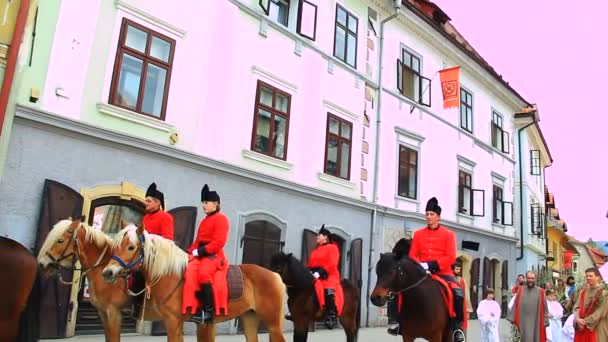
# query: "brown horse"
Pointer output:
{"type": "Point", "coordinates": [163, 264]}
{"type": "Point", "coordinates": [423, 312]}
{"type": "Point", "coordinates": [301, 301]}
{"type": "Point", "coordinates": [18, 272]}
{"type": "Point", "coordinates": [70, 241]}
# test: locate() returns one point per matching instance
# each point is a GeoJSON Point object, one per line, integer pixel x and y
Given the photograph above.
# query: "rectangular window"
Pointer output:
{"type": "Point", "coordinates": [535, 217]}
{"type": "Point", "coordinates": [500, 138]}
{"type": "Point", "coordinates": [338, 146]}
{"type": "Point", "coordinates": [279, 11]}
{"type": "Point", "coordinates": [554, 250]}
{"type": "Point", "coordinates": [466, 110]}
{"type": "Point", "coordinates": [470, 201]}
{"type": "Point", "coordinates": [142, 70]}
{"type": "Point", "coordinates": [307, 20]}
{"type": "Point", "coordinates": [535, 162]}
{"type": "Point", "coordinates": [497, 211]}
{"type": "Point", "coordinates": [408, 172]}
{"type": "Point", "coordinates": [345, 37]}
{"type": "Point", "coordinates": [271, 121]}
{"type": "Point", "coordinates": [410, 82]}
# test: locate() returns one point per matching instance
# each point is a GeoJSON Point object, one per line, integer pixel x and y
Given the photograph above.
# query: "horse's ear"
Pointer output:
{"type": "Point", "coordinates": [140, 229]}
{"type": "Point", "coordinates": [123, 224]}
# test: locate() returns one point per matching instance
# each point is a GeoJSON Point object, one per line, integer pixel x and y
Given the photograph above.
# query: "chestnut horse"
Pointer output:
{"type": "Point", "coordinates": [301, 301]}
{"type": "Point", "coordinates": [163, 265]}
{"type": "Point", "coordinates": [423, 312]}
{"type": "Point", "coordinates": [70, 241]}
{"type": "Point", "coordinates": [18, 272]}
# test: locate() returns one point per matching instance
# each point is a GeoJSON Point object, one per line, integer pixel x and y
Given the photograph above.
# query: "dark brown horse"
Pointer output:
{"type": "Point", "coordinates": [301, 301]}
{"type": "Point", "coordinates": [423, 312]}
{"type": "Point", "coordinates": [18, 272]}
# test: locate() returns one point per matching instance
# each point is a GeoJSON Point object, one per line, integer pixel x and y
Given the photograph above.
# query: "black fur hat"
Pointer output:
{"type": "Point", "coordinates": [209, 196]}
{"type": "Point", "coordinates": [153, 192]}
{"type": "Point", "coordinates": [433, 205]}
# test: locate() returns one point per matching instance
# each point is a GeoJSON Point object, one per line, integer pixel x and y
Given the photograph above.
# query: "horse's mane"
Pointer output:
{"type": "Point", "coordinates": [161, 256]}
{"type": "Point", "coordinates": [299, 272]}
{"type": "Point", "coordinates": [91, 235]}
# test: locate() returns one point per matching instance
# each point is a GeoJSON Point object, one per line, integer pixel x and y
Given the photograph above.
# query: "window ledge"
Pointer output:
{"type": "Point", "coordinates": [262, 158]}
{"type": "Point", "coordinates": [259, 71]}
{"type": "Point", "coordinates": [407, 199]}
{"type": "Point", "coordinates": [336, 109]}
{"type": "Point", "coordinates": [497, 227]}
{"type": "Point", "coordinates": [128, 115]}
{"type": "Point", "coordinates": [465, 216]}
{"type": "Point", "coordinates": [336, 180]}
{"type": "Point", "coordinates": [125, 6]}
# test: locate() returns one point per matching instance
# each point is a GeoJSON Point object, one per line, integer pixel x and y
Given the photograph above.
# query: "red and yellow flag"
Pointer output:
{"type": "Point", "coordinates": [450, 86]}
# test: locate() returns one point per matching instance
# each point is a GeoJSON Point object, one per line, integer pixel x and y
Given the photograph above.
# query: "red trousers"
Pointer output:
{"type": "Point", "coordinates": [320, 286]}
{"type": "Point", "coordinates": [584, 335]}
{"type": "Point", "coordinates": [198, 271]}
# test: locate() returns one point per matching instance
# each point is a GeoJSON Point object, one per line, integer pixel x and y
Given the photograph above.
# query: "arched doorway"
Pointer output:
{"type": "Point", "coordinates": [261, 239]}
{"type": "Point", "coordinates": [106, 214]}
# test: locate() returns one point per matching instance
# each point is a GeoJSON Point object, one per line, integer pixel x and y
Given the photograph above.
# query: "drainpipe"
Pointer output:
{"type": "Point", "coordinates": [397, 8]}
{"type": "Point", "coordinates": [521, 188]}
{"type": "Point", "coordinates": [13, 54]}
{"type": "Point", "coordinates": [546, 229]}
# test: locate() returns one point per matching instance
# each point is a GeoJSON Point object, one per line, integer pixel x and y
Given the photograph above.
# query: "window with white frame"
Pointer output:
{"type": "Point", "coordinates": [500, 138]}
{"type": "Point", "coordinates": [466, 110]}
{"type": "Point", "coordinates": [410, 81]}
{"type": "Point", "coordinates": [345, 36]}
{"type": "Point", "coordinates": [535, 162]}
{"type": "Point", "coordinates": [470, 201]}
{"type": "Point", "coordinates": [408, 172]}
{"type": "Point", "coordinates": [279, 12]}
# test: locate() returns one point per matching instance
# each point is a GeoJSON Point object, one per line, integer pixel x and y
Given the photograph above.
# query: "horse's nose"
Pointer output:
{"type": "Point", "coordinates": [376, 300]}
{"type": "Point", "coordinates": [108, 274]}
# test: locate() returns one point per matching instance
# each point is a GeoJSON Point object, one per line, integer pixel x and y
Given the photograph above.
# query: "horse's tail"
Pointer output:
{"type": "Point", "coordinates": [29, 326]}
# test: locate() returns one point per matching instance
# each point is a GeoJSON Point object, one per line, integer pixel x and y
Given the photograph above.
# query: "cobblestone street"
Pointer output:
{"type": "Point", "coordinates": [367, 334]}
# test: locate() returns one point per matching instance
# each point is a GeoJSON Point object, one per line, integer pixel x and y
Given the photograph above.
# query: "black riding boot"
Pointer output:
{"type": "Point", "coordinates": [208, 306]}
{"type": "Point", "coordinates": [456, 323]}
{"type": "Point", "coordinates": [331, 318]}
{"type": "Point", "coordinates": [139, 284]}
{"type": "Point", "coordinates": [392, 311]}
{"type": "Point", "coordinates": [198, 317]}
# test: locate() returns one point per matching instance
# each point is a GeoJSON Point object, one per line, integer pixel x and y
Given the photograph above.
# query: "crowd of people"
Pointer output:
{"type": "Point", "coordinates": [562, 313]}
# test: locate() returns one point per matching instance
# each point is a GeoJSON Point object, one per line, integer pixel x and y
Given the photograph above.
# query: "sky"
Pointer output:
{"type": "Point", "coordinates": [554, 53]}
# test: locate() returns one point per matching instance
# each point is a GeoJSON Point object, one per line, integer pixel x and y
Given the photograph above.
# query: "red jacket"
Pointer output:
{"type": "Point", "coordinates": [438, 245]}
{"type": "Point", "coordinates": [159, 223]}
{"type": "Point", "coordinates": [213, 230]}
{"type": "Point", "coordinates": [327, 256]}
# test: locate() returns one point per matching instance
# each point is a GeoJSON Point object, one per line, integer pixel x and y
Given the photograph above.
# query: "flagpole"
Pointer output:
{"type": "Point", "coordinates": [424, 91]}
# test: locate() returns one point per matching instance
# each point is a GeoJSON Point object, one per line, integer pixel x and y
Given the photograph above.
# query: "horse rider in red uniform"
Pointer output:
{"type": "Point", "coordinates": [323, 264]}
{"type": "Point", "coordinates": [155, 221]}
{"type": "Point", "coordinates": [434, 247]}
{"type": "Point", "coordinates": [206, 258]}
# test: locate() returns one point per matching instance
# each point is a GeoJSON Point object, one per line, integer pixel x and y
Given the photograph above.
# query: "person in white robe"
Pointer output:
{"type": "Point", "coordinates": [488, 314]}
{"type": "Point", "coordinates": [568, 329]}
{"type": "Point", "coordinates": [556, 311]}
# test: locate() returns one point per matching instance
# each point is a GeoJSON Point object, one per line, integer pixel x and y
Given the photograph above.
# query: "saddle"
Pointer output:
{"type": "Point", "coordinates": [446, 292]}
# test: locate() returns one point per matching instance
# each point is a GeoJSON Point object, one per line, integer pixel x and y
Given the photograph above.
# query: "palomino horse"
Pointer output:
{"type": "Point", "coordinates": [301, 294]}
{"type": "Point", "coordinates": [69, 241]}
{"type": "Point", "coordinates": [163, 264]}
{"type": "Point", "coordinates": [423, 312]}
{"type": "Point", "coordinates": [18, 272]}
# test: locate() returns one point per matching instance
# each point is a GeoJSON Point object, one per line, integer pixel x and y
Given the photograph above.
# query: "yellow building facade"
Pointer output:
{"type": "Point", "coordinates": [560, 253]}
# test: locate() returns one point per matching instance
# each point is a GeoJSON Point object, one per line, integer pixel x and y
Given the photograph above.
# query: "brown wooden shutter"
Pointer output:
{"type": "Point", "coordinates": [184, 221]}
{"type": "Point", "coordinates": [474, 291]}
{"type": "Point", "coordinates": [309, 242]}
{"type": "Point", "coordinates": [356, 264]}
{"type": "Point", "coordinates": [487, 276]}
{"type": "Point", "coordinates": [59, 202]}
{"type": "Point", "coordinates": [505, 287]}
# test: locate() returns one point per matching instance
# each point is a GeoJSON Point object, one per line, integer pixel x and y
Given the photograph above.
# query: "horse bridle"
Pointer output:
{"type": "Point", "coordinates": [74, 242]}
{"type": "Point", "coordinates": [401, 275]}
{"type": "Point", "coordinates": [135, 262]}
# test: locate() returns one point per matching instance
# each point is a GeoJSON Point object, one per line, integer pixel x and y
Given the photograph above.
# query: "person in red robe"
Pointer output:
{"type": "Point", "coordinates": [206, 258]}
{"type": "Point", "coordinates": [434, 248]}
{"type": "Point", "coordinates": [588, 308]}
{"type": "Point", "coordinates": [155, 221]}
{"type": "Point", "coordinates": [323, 264]}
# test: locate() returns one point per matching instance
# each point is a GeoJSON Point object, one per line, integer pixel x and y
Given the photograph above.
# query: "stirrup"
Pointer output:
{"type": "Point", "coordinates": [393, 329]}
{"type": "Point", "coordinates": [458, 332]}
{"type": "Point", "coordinates": [331, 322]}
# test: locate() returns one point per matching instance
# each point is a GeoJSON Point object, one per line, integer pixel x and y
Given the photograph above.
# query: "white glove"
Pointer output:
{"type": "Point", "coordinates": [195, 252]}
{"type": "Point", "coordinates": [425, 266]}
{"type": "Point", "coordinates": [316, 275]}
